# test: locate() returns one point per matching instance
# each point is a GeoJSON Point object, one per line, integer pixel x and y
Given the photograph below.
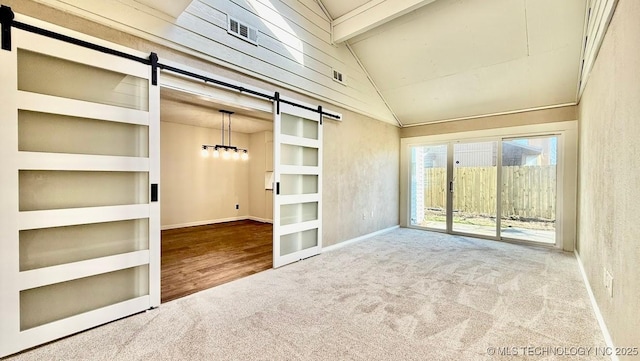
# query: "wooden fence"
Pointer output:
{"type": "Point", "coordinates": [527, 192]}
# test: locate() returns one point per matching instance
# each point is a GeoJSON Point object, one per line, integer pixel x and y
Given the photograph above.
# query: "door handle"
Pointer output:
{"type": "Point", "coordinates": [451, 186]}
{"type": "Point", "coordinates": [154, 192]}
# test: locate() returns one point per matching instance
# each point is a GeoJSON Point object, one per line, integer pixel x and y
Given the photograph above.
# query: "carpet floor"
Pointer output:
{"type": "Point", "coordinates": [403, 295]}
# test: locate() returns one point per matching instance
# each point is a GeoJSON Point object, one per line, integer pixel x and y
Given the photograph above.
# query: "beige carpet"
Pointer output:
{"type": "Point", "coordinates": [404, 295]}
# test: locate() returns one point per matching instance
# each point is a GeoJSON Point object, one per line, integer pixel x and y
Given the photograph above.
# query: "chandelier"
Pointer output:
{"type": "Point", "coordinates": [223, 150]}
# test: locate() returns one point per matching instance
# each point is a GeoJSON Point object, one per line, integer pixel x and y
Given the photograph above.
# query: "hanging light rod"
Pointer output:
{"type": "Point", "coordinates": [228, 151]}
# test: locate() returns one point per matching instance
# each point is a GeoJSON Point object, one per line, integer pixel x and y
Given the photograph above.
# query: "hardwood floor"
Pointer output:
{"type": "Point", "coordinates": [197, 258]}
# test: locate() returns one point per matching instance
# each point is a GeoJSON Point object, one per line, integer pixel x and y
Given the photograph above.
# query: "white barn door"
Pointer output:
{"type": "Point", "coordinates": [79, 174]}
{"type": "Point", "coordinates": [297, 213]}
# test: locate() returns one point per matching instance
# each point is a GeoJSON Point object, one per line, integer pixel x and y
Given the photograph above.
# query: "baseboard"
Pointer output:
{"type": "Point", "coordinates": [357, 239]}
{"type": "Point", "coordinates": [596, 309]}
{"type": "Point", "coordinates": [202, 223]}
{"type": "Point", "coordinates": [258, 219]}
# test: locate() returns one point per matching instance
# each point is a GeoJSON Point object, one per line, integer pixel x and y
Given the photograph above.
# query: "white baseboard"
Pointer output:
{"type": "Point", "coordinates": [202, 223]}
{"type": "Point", "coordinates": [357, 239]}
{"type": "Point", "coordinates": [258, 219]}
{"type": "Point", "coordinates": [596, 309]}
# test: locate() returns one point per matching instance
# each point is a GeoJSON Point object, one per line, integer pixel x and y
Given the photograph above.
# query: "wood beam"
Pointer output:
{"type": "Point", "coordinates": [370, 15]}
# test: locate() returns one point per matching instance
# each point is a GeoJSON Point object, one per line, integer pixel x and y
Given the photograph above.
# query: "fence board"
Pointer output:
{"type": "Point", "coordinates": [527, 192]}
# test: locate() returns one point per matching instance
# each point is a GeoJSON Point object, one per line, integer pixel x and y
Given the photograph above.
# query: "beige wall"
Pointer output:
{"type": "Point", "coordinates": [195, 189]}
{"type": "Point", "coordinates": [261, 161]}
{"type": "Point", "coordinates": [609, 165]}
{"type": "Point", "coordinates": [562, 114]}
{"type": "Point", "coordinates": [361, 177]}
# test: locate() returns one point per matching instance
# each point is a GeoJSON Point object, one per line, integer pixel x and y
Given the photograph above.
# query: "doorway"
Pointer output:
{"type": "Point", "coordinates": [280, 183]}
{"type": "Point", "coordinates": [501, 188]}
{"type": "Point", "coordinates": [216, 212]}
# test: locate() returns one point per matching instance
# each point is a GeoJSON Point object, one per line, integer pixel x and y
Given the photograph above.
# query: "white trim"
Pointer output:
{"type": "Point", "coordinates": [9, 190]}
{"type": "Point", "coordinates": [155, 235]}
{"type": "Point", "coordinates": [299, 170]}
{"type": "Point", "coordinates": [336, 246]}
{"type": "Point", "coordinates": [510, 132]}
{"type": "Point", "coordinates": [204, 222]}
{"type": "Point", "coordinates": [75, 216]}
{"type": "Point", "coordinates": [299, 227]}
{"type": "Point", "coordinates": [298, 141]}
{"type": "Point", "coordinates": [80, 108]}
{"type": "Point", "coordinates": [72, 271]}
{"type": "Point", "coordinates": [492, 114]}
{"type": "Point", "coordinates": [603, 326]}
{"type": "Point", "coordinates": [299, 198]}
{"type": "Point", "coordinates": [81, 162]}
{"type": "Point", "coordinates": [258, 219]}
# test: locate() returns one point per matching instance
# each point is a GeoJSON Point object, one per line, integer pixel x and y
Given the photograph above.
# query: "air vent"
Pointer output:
{"type": "Point", "coordinates": [338, 76]}
{"type": "Point", "coordinates": [243, 31]}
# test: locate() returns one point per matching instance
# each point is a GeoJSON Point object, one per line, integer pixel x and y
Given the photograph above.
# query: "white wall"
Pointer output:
{"type": "Point", "coordinates": [197, 190]}
{"type": "Point", "coordinates": [295, 49]}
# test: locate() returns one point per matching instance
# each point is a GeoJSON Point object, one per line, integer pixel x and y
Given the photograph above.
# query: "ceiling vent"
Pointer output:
{"type": "Point", "coordinates": [243, 31]}
{"type": "Point", "coordinates": [339, 77]}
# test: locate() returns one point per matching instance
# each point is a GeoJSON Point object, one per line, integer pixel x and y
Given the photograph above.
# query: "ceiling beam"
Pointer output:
{"type": "Point", "coordinates": [370, 15]}
{"type": "Point", "coordinates": [173, 7]}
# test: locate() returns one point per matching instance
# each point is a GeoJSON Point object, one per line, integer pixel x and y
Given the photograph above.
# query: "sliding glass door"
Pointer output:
{"type": "Point", "coordinates": [429, 185]}
{"type": "Point", "coordinates": [474, 188]}
{"type": "Point", "coordinates": [529, 177]}
{"type": "Point", "coordinates": [501, 188]}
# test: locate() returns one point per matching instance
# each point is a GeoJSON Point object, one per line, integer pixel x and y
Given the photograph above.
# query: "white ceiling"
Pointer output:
{"type": "Point", "coordinates": [184, 108]}
{"type": "Point", "coordinates": [337, 8]}
{"type": "Point", "coordinates": [462, 58]}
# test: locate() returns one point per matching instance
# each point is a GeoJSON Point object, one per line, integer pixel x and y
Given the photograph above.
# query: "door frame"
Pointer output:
{"type": "Point", "coordinates": [566, 173]}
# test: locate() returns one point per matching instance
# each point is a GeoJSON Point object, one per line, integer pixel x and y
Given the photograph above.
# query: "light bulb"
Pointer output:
{"type": "Point", "coordinates": [236, 155]}
{"type": "Point", "coordinates": [245, 155]}
{"type": "Point", "coordinates": [216, 153]}
{"type": "Point", "coordinates": [205, 152]}
{"type": "Point", "coordinates": [226, 154]}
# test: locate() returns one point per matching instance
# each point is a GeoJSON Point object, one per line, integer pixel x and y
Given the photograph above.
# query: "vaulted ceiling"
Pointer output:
{"type": "Point", "coordinates": [436, 60]}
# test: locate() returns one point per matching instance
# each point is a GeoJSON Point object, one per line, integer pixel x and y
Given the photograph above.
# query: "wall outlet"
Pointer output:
{"type": "Point", "coordinates": [608, 282]}
{"type": "Point", "coordinates": [237, 206]}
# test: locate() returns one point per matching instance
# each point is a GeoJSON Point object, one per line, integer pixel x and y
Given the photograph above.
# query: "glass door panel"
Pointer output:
{"type": "Point", "coordinates": [429, 186]}
{"type": "Point", "coordinates": [529, 189]}
{"type": "Point", "coordinates": [475, 188]}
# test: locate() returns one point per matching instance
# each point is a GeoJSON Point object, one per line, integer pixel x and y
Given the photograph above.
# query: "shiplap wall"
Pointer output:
{"type": "Point", "coordinates": [598, 18]}
{"type": "Point", "coordinates": [294, 51]}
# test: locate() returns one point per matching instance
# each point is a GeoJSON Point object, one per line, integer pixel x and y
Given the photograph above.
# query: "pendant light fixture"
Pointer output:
{"type": "Point", "coordinates": [223, 150]}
